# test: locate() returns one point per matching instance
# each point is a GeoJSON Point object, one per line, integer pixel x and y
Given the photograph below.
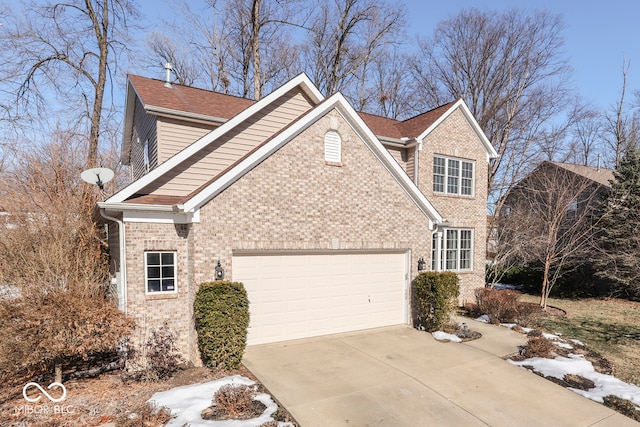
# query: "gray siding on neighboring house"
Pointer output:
{"type": "Point", "coordinates": [144, 131]}
{"type": "Point", "coordinates": [225, 151]}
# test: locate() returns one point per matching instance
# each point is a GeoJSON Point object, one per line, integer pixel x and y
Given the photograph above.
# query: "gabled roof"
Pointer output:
{"type": "Point", "coordinates": [599, 175]}
{"type": "Point", "coordinates": [204, 105]}
{"type": "Point", "coordinates": [301, 81]}
{"type": "Point", "coordinates": [156, 97]}
{"type": "Point", "coordinates": [191, 203]}
{"type": "Point", "coordinates": [337, 101]}
{"type": "Point", "coordinates": [408, 129]}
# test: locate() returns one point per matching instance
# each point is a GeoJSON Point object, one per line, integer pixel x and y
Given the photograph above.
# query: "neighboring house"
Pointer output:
{"type": "Point", "coordinates": [583, 185]}
{"type": "Point", "coordinates": [321, 212]}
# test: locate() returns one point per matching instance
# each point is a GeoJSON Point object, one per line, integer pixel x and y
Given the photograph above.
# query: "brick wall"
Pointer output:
{"type": "Point", "coordinates": [292, 201]}
{"type": "Point", "coordinates": [455, 138]}
{"type": "Point", "coordinates": [152, 311]}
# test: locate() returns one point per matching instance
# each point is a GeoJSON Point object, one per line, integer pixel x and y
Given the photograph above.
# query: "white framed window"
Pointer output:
{"type": "Point", "coordinates": [452, 250]}
{"type": "Point", "coordinates": [332, 147]}
{"type": "Point", "coordinates": [453, 176]}
{"type": "Point", "coordinates": [160, 272]}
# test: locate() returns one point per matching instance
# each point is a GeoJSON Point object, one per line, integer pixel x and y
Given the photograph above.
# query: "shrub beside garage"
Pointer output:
{"type": "Point", "coordinates": [221, 311]}
{"type": "Point", "coordinates": [435, 299]}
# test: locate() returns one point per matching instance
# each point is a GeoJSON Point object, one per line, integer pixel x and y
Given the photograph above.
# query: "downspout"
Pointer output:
{"type": "Point", "coordinates": [437, 233]}
{"type": "Point", "coordinates": [122, 283]}
{"type": "Point", "coordinates": [416, 163]}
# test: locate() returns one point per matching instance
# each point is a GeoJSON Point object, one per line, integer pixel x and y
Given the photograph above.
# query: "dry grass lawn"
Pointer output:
{"type": "Point", "coordinates": [609, 326]}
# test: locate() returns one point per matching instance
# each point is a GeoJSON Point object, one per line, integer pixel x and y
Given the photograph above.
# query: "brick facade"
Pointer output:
{"type": "Point", "coordinates": [455, 137]}
{"type": "Point", "coordinates": [293, 200]}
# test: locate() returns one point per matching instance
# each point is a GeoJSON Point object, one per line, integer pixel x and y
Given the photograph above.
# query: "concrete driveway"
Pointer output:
{"type": "Point", "coordinates": [398, 377]}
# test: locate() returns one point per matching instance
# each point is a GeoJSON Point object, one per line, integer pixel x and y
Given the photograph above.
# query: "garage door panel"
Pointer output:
{"type": "Point", "coordinates": [297, 296]}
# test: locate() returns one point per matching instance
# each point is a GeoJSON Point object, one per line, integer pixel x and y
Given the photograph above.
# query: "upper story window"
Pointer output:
{"type": "Point", "coordinates": [332, 147]}
{"type": "Point", "coordinates": [453, 176]}
{"type": "Point", "coordinates": [160, 272]}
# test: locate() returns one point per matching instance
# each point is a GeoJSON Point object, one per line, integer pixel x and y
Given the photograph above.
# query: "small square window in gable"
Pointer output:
{"type": "Point", "coordinates": [332, 147]}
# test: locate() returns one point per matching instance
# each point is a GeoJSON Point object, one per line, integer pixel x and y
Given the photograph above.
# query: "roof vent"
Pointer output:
{"type": "Point", "coordinates": [168, 68]}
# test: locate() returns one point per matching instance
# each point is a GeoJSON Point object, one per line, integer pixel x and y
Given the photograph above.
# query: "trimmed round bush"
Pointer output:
{"type": "Point", "coordinates": [435, 298]}
{"type": "Point", "coordinates": [221, 311]}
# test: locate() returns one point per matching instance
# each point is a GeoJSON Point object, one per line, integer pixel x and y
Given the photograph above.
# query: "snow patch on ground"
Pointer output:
{"type": "Point", "coordinates": [605, 385]}
{"type": "Point", "coordinates": [484, 318]}
{"type": "Point", "coordinates": [186, 403]}
{"type": "Point", "coordinates": [443, 336]}
{"type": "Point", "coordinates": [552, 337]}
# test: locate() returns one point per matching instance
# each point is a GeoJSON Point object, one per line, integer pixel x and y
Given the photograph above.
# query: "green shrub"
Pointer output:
{"type": "Point", "coordinates": [221, 311]}
{"type": "Point", "coordinates": [435, 297]}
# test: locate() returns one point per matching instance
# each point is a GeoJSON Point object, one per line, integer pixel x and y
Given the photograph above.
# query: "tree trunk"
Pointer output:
{"type": "Point", "coordinates": [255, 49]}
{"type": "Point", "coordinates": [545, 283]}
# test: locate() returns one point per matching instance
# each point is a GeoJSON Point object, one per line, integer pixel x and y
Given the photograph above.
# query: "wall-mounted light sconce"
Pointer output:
{"type": "Point", "coordinates": [219, 272]}
{"type": "Point", "coordinates": [422, 265]}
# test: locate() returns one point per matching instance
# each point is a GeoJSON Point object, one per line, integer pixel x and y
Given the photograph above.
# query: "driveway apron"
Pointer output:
{"type": "Point", "coordinates": [399, 376]}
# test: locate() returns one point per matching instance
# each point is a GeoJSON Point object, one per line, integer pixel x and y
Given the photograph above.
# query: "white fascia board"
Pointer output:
{"type": "Point", "coordinates": [491, 152]}
{"type": "Point", "coordinates": [192, 149]}
{"type": "Point", "coordinates": [121, 207]}
{"type": "Point", "coordinates": [168, 112]}
{"type": "Point", "coordinates": [336, 101]}
{"type": "Point", "coordinates": [161, 214]}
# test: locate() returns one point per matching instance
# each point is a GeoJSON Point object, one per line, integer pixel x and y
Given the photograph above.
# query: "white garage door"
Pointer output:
{"type": "Point", "coordinates": [299, 296]}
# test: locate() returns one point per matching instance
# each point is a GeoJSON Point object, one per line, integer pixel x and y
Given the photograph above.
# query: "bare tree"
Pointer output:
{"type": "Point", "coordinates": [510, 70]}
{"type": "Point", "coordinates": [344, 39]}
{"type": "Point", "coordinates": [240, 47]}
{"type": "Point", "coordinates": [587, 137]}
{"type": "Point", "coordinates": [65, 54]}
{"type": "Point", "coordinates": [549, 220]}
{"type": "Point", "coordinates": [389, 94]}
{"type": "Point", "coordinates": [622, 125]}
{"type": "Point", "coordinates": [53, 262]}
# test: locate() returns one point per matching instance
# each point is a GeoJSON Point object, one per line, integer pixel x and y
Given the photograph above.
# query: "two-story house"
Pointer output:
{"type": "Point", "coordinates": [323, 213]}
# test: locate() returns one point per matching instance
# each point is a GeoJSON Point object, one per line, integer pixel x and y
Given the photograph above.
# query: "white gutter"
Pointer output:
{"type": "Point", "coordinates": [121, 285]}
{"type": "Point", "coordinates": [416, 163]}
{"type": "Point", "coordinates": [403, 142]}
{"type": "Point", "coordinates": [121, 206]}
{"type": "Point", "coordinates": [170, 112]}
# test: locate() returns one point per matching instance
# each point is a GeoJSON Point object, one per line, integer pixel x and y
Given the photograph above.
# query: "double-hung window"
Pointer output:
{"type": "Point", "coordinates": [452, 250]}
{"type": "Point", "coordinates": [453, 176]}
{"type": "Point", "coordinates": [160, 272]}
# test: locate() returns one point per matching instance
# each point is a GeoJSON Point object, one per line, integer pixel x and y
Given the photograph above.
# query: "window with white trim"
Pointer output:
{"type": "Point", "coordinates": [452, 250]}
{"type": "Point", "coordinates": [160, 272]}
{"type": "Point", "coordinates": [453, 176]}
{"type": "Point", "coordinates": [332, 147]}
